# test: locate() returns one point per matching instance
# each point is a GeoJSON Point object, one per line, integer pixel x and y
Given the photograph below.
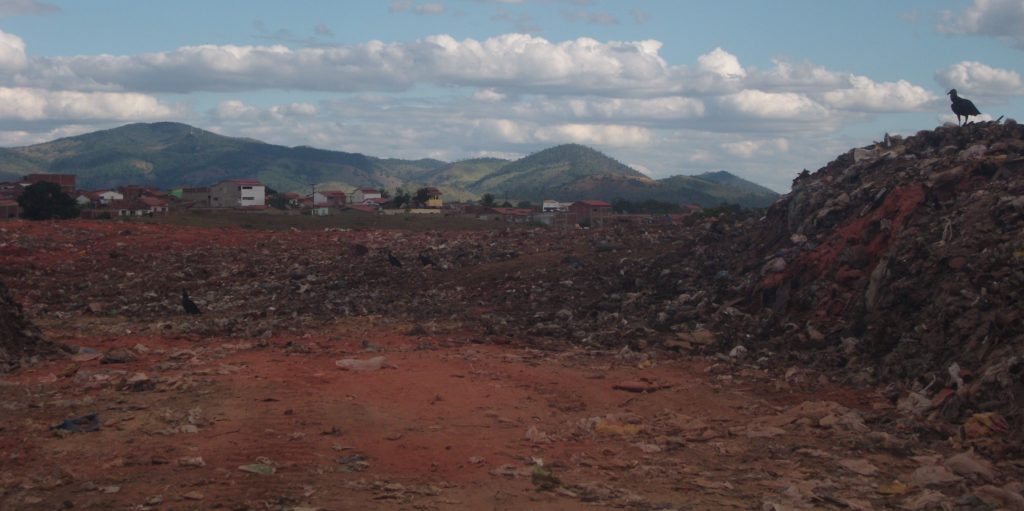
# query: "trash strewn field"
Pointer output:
{"type": "Point", "coordinates": [858, 347]}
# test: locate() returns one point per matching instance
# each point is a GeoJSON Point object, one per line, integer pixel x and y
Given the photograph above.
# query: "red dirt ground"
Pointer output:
{"type": "Point", "coordinates": [451, 425]}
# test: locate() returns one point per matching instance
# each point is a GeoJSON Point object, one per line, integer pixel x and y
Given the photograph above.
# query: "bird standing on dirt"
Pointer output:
{"type": "Point", "coordinates": [962, 107]}
{"type": "Point", "coordinates": [394, 260]}
{"type": "Point", "coordinates": [426, 260]}
{"type": "Point", "coordinates": [187, 303]}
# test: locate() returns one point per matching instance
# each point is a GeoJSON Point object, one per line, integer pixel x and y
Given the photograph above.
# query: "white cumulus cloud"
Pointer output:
{"type": "Point", "coordinates": [866, 95]}
{"type": "Point", "coordinates": [773, 105]}
{"type": "Point", "coordinates": [234, 110]}
{"type": "Point", "coordinates": [594, 134]}
{"type": "Point", "coordinates": [722, 63]}
{"type": "Point", "coordinates": [1002, 19]}
{"type": "Point", "coordinates": [12, 52]}
{"type": "Point", "coordinates": [972, 77]}
{"type": "Point", "coordinates": [751, 148]}
{"type": "Point", "coordinates": [24, 104]}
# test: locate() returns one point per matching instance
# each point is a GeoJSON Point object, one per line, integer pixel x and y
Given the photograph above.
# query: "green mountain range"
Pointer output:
{"type": "Point", "coordinates": [167, 155]}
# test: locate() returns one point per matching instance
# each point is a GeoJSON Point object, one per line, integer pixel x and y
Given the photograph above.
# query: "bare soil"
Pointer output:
{"type": "Point", "coordinates": [187, 421]}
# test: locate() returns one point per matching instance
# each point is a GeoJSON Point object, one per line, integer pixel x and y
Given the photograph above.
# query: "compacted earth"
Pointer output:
{"type": "Point", "coordinates": [322, 376]}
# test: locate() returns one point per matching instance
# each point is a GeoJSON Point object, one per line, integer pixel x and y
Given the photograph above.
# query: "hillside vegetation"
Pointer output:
{"type": "Point", "coordinates": [168, 154]}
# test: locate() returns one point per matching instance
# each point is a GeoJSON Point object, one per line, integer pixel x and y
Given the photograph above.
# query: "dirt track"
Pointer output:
{"type": "Point", "coordinates": [453, 423]}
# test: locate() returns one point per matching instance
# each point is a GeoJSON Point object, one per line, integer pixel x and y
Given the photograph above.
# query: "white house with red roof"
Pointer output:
{"type": "Point", "coordinates": [364, 196]}
{"type": "Point", "coordinates": [330, 198]}
{"type": "Point", "coordinates": [238, 193]}
{"type": "Point", "coordinates": [99, 197]}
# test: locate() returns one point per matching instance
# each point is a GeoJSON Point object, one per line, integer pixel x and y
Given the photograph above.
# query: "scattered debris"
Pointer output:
{"type": "Point", "coordinates": [370, 364]}
{"type": "Point", "coordinates": [84, 424]}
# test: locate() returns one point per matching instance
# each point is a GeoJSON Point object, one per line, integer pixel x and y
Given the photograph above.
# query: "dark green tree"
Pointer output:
{"type": "Point", "coordinates": [421, 196]}
{"type": "Point", "coordinates": [277, 201]}
{"type": "Point", "coordinates": [401, 198]}
{"type": "Point", "coordinates": [487, 200]}
{"type": "Point", "coordinates": [524, 204]}
{"type": "Point", "coordinates": [43, 201]}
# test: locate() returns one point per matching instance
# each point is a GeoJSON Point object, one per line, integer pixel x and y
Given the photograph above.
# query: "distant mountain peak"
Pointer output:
{"type": "Point", "coordinates": [176, 154]}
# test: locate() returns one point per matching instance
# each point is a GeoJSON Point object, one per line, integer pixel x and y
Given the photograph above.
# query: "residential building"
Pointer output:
{"type": "Point", "coordinates": [329, 198]}
{"type": "Point", "coordinates": [553, 206]}
{"type": "Point", "coordinates": [362, 195]}
{"type": "Point", "coordinates": [128, 208]}
{"type": "Point", "coordinates": [99, 198]}
{"type": "Point", "coordinates": [199, 195]}
{"type": "Point", "coordinates": [237, 193]}
{"type": "Point", "coordinates": [133, 192]}
{"type": "Point", "coordinates": [590, 212]}
{"type": "Point", "coordinates": [514, 215]}
{"type": "Point", "coordinates": [433, 198]}
{"type": "Point", "coordinates": [9, 208]}
{"type": "Point", "coordinates": [293, 198]}
{"type": "Point", "coordinates": [12, 189]}
{"type": "Point", "coordinates": [156, 205]}
{"type": "Point", "coordinates": [67, 182]}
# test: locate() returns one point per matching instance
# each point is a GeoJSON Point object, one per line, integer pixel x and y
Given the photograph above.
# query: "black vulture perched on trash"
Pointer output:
{"type": "Point", "coordinates": [188, 304]}
{"type": "Point", "coordinates": [962, 107]}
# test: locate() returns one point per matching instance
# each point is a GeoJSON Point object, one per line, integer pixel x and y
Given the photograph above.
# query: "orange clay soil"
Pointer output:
{"type": "Point", "coordinates": [447, 423]}
{"type": "Point", "coordinates": [451, 425]}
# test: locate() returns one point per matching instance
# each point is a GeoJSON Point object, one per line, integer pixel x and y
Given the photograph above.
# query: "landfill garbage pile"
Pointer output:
{"type": "Point", "coordinates": [901, 262]}
{"type": "Point", "coordinates": [906, 261]}
{"type": "Point", "coordinates": [898, 262]}
{"type": "Point", "coordinates": [19, 338]}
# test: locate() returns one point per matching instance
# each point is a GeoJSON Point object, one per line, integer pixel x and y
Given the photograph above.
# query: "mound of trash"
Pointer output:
{"type": "Point", "coordinates": [901, 262]}
{"type": "Point", "coordinates": [20, 340]}
{"type": "Point", "coordinates": [904, 261]}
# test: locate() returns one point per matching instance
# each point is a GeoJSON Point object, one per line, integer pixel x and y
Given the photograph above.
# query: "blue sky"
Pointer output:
{"type": "Point", "coordinates": [762, 89]}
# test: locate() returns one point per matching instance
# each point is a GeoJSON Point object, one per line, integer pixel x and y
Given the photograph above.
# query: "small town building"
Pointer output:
{"type": "Point", "coordinates": [513, 215]}
{"type": "Point", "coordinates": [590, 212]}
{"type": "Point", "coordinates": [128, 208]}
{"type": "Point", "coordinates": [9, 209]}
{"type": "Point", "coordinates": [433, 198]}
{"type": "Point", "coordinates": [132, 192]}
{"type": "Point", "coordinates": [294, 199]}
{"type": "Point", "coordinates": [455, 208]}
{"type": "Point", "coordinates": [330, 198]}
{"type": "Point", "coordinates": [12, 189]}
{"type": "Point", "coordinates": [98, 198]}
{"type": "Point", "coordinates": [198, 194]}
{"type": "Point", "coordinates": [362, 195]}
{"type": "Point", "coordinates": [238, 193]}
{"type": "Point", "coordinates": [553, 206]}
{"type": "Point", "coordinates": [67, 182]}
{"type": "Point", "coordinates": [157, 206]}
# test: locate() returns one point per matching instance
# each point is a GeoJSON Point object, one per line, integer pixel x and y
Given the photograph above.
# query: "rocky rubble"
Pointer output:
{"type": "Point", "coordinates": [20, 340]}
{"type": "Point", "coordinates": [904, 261]}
